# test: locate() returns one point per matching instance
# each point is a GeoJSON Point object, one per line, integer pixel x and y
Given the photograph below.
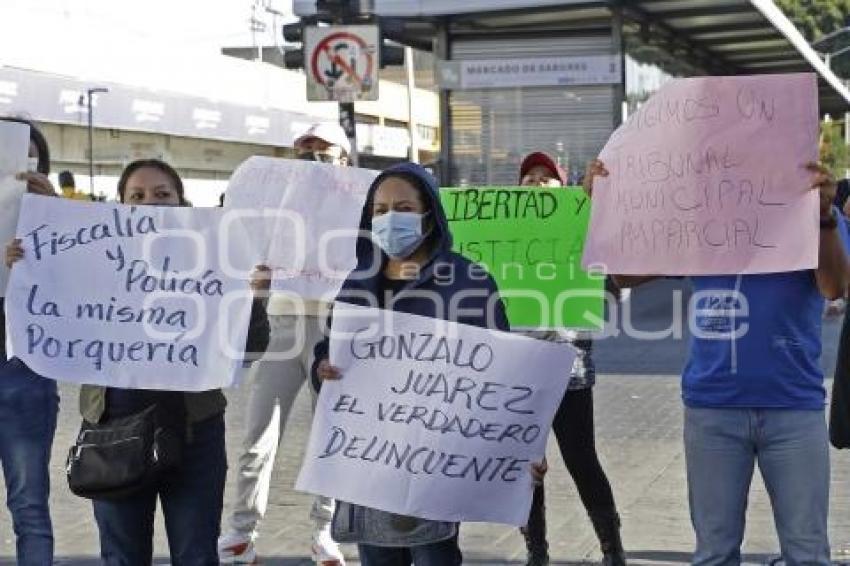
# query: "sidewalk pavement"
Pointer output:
{"type": "Point", "coordinates": [639, 421]}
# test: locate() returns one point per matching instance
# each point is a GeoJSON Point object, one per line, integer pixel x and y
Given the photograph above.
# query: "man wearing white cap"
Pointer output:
{"type": "Point", "coordinates": [275, 383]}
{"type": "Point", "coordinates": [325, 142]}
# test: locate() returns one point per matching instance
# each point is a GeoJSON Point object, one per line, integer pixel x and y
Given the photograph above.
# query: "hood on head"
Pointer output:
{"type": "Point", "coordinates": [540, 158]}
{"type": "Point", "coordinates": [430, 192]}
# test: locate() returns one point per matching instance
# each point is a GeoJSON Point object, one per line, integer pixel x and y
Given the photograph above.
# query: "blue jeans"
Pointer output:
{"type": "Point", "coordinates": [28, 407]}
{"type": "Point", "coordinates": [721, 448]}
{"type": "Point", "coordinates": [445, 553]}
{"type": "Point", "coordinates": [191, 497]}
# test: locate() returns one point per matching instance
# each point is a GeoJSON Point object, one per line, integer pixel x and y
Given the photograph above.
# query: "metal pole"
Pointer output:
{"type": "Point", "coordinates": [847, 128]}
{"type": "Point", "coordinates": [846, 137]}
{"type": "Point", "coordinates": [349, 124]}
{"type": "Point", "coordinates": [411, 119]}
{"type": "Point", "coordinates": [91, 148]}
{"type": "Point", "coordinates": [620, 51]}
{"type": "Point", "coordinates": [91, 92]}
{"type": "Point", "coordinates": [442, 49]}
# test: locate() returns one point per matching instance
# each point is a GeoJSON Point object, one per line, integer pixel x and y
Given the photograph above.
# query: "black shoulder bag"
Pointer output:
{"type": "Point", "coordinates": [839, 414]}
{"type": "Point", "coordinates": [120, 457]}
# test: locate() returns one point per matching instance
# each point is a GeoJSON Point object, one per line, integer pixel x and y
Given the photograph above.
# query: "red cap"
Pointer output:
{"type": "Point", "coordinates": [540, 158]}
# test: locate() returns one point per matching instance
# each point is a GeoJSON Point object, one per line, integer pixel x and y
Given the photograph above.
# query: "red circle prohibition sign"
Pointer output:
{"type": "Point", "coordinates": [324, 47]}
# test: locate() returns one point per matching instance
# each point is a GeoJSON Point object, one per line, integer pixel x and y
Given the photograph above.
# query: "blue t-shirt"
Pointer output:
{"type": "Point", "coordinates": [756, 343]}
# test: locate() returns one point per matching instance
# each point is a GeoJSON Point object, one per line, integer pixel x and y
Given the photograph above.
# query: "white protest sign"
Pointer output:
{"type": "Point", "coordinates": [303, 217]}
{"type": "Point", "coordinates": [433, 419]}
{"type": "Point", "coordinates": [126, 296]}
{"type": "Point", "coordinates": [15, 141]}
{"type": "Point", "coordinates": [708, 178]}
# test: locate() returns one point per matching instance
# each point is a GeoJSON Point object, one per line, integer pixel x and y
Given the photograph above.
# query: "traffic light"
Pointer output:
{"type": "Point", "coordinates": [391, 54]}
{"type": "Point", "coordinates": [293, 58]}
{"type": "Point", "coordinates": [294, 33]}
{"type": "Point", "coordinates": [345, 11]}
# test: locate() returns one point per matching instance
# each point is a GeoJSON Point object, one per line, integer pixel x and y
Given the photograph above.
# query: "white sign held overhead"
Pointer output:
{"type": "Point", "coordinates": [303, 216]}
{"type": "Point", "coordinates": [342, 63]}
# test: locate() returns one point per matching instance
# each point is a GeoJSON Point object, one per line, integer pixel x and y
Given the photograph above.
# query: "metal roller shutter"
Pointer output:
{"type": "Point", "coordinates": [493, 128]}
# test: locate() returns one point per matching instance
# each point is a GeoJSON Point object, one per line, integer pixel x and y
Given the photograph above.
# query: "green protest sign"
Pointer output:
{"type": "Point", "coordinates": [531, 240]}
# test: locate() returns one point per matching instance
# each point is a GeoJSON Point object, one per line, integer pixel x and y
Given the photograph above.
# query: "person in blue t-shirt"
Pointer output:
{"type": "Point", "coordinates": [753, 392]}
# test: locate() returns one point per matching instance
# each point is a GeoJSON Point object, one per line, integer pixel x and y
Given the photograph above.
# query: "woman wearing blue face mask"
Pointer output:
{"type": "Point", "coordinates": [403, 267]}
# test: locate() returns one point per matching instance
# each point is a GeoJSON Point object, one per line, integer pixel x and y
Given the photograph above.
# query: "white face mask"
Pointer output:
{"type": "Point", "coordinates": [32, 164]}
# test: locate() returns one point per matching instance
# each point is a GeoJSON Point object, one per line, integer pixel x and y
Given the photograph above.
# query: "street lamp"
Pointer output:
{"type": "Point", "coordinates": [89, 93]}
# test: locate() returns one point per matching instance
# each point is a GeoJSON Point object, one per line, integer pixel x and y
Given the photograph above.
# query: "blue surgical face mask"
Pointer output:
{"type": "Point", "coordinates": [398, 233]}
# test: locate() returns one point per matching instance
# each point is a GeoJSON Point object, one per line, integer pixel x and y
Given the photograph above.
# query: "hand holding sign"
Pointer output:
{"type": "Point", "coordinates": [326, 371]}
{"type": "Point", "coordinates": [594, 169]}
{"type": "Point", "coordinates": [37, 183]}
{"type": "Point", "coordinates": [538, 471]}
{"type": "Point", "coordinates": [14, 252]}
{"type": "Point", "coordinates": [261, 279]}
{"type": "Point", "coordinates": [824, 182]}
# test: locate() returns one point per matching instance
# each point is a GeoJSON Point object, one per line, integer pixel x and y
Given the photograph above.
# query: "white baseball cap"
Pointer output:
{"type": "Point", "coordinates": [328, 132]}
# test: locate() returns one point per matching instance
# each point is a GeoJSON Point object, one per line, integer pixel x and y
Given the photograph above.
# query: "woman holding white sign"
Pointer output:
{"type": "Point", "coordinates": [407, 266]}
{"type": "Point", "coordinates": [573, 424]}
{"type": "Point", "coordinates": [189, 459]}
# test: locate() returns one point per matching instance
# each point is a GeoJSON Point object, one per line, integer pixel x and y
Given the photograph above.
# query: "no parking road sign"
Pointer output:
{"type": "Point", "coordinates": [342, 63]}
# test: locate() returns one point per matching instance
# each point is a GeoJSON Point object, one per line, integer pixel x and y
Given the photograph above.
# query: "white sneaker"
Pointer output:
{"type": "Point", "coordinates": [236, 548]}
{"type": "Point", "coordinates": [326, 551]}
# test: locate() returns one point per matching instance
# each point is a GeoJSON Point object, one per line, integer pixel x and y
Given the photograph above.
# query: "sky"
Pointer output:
{"type": "Point", "coordinates": [161, 45]}
{"type": "Point", "coordinates": [193, 25]}
{"type": "Point", "coordinates": [125, 40]}
{"type": "Point", "coordinates": [168, 44]}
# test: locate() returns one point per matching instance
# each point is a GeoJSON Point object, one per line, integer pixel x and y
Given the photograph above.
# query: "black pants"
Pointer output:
{"type": "Point", "coordinates": [574, 431]}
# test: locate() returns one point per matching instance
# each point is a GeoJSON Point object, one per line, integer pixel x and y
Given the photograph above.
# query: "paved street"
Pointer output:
{"type": "Point", "coordinates": [638, 421]}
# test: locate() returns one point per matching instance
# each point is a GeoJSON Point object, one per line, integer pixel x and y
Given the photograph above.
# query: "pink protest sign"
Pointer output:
{"type": "Point", "coordinates": [708, 178]}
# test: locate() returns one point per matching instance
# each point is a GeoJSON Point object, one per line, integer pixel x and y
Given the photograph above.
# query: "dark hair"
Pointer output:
{"type": "Point", "coordinates": [421, 189]}
{"type": "Point", "coordinates": [154, 164]}
{"type": "Point", "coordinates": [66, 179]}
{"type": "Point", "coordinates": [37, 138]}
